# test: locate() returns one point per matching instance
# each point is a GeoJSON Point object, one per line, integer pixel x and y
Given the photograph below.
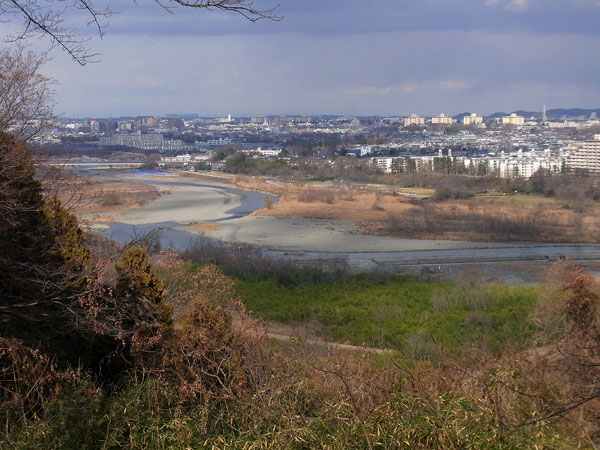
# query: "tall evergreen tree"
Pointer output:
{"type": "Point", "coordinates": [141, 290]}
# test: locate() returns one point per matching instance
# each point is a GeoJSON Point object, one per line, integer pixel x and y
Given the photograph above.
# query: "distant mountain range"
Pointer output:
{"type": "Point", "coordinates": [555, 114]}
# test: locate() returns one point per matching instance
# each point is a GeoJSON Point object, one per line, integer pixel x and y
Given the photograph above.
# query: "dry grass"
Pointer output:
{"type": "Point", "coordinates": [112, 196]}
{"type": "Point", "coordinates": [205, 226]}
{"type": "Point", "coordinates": [483, 217]}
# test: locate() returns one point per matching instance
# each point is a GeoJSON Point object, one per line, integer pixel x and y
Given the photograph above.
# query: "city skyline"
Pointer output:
{"type": "Point", "coordinates": [552, 115]}
{"type": "Point", "coordinates": [343, 57]}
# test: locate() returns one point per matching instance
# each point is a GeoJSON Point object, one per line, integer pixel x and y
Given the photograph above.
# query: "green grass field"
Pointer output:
{"type": "Point", "coordinates": [520, 199]}
{"type": "Point", "coordinates": [400, 313]}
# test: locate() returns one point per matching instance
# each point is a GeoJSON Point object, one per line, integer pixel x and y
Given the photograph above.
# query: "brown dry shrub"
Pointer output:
{"type": "Point", "coordinates": [29, 380]}
{"type": "Point", "coordinates": [336, 387]}
{"type": "Point", "coordinates": [111, 199]}
{"type": "Point", "coordinates": [269, 202]}
{"type": "Point", "coordinates": [567, 358]}
{"type": "Point", "coordinates": [312, 195]}
{"type": "Point", "coordinates": [183, 282]}
{"type": "Point", "coordinates": [214, 351]}
{"type": "Point", "coordinates": [207, 357]}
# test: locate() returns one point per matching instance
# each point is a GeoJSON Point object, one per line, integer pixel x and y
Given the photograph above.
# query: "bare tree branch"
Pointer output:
{"type": "Point", "coordinates": [242, 7]}
{"type": "Point", "coordinates": [26, 96]}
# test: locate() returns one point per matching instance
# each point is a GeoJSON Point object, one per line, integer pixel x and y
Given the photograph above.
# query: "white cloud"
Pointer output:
{"type": "Point", "coordinates": [515, 5]}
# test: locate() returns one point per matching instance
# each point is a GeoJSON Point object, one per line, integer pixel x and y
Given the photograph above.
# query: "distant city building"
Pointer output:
{"type": "Point", "coordinates": [219, 142]}
{"type": "Point", "coordinates": [565, 124]}
{"type": "Point", "coordinates": [150, 141]}
{"type": "Point", "coordinates": [472, 119]}
{"type": "Point", "coordinates": [182, 116]}
{"type": "Point", "coordinates": [281, 120]}
{"type": "Point", "coordinates": [126, 125]}
{"type": "Point", "coordinates": [442, 119]}
{"type": "Point", "coordinates": [513, 119]}
{"type": "Point", "coordinates": [586, 156]}
{"type": "Point", "coordinates": [355, 123]}
{"type": "Point", "coordinates": [187, 158]}
{"type": "Point", "coordinates": [227, 119]}
{"type": "Point", "coordinates": [107, 126]}
{"type": "Point", "coordinates": [413, 119]}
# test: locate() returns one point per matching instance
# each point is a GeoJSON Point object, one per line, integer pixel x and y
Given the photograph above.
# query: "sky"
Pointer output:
{"type": "Point", "coordinates": [348, 57]}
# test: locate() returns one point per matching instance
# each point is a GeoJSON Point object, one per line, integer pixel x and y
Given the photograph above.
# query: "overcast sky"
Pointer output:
{"type": "Point", "coordinates": [351, 57]}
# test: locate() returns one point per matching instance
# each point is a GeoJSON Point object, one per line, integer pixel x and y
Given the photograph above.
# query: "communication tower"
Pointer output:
{"type": "Point", "coordinates": [544, 115]}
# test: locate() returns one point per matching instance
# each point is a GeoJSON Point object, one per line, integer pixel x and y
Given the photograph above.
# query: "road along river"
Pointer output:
{"type": "Point", "coordinates": [189, 208]}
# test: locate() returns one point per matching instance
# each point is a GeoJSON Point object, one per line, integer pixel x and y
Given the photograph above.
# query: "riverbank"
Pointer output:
{"type": "Point", "coordinates": [187, 201]}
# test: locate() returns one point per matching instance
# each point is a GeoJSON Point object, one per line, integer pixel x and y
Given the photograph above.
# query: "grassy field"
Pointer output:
{"type": "Point", "coordinates": [400, 313]}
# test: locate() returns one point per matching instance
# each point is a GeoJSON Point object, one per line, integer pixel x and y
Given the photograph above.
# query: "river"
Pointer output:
{"type": "Point", "coordinates": [190, 202]}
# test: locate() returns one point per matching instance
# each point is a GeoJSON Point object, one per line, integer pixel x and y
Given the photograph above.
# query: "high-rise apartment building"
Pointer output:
{"type": "Point", "coordinates": [442, 119]}
{"type": "Point", "coordinates": [473, 119]}
{"type": "Point", "coordinates": [413, 119]}
{"type": "Point", "coordinates": [586, 156]}
{"type": "Point", "coordinates": [513, 119]}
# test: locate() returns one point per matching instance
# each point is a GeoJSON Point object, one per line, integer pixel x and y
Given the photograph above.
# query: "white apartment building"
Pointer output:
{"type": "Point", "coordinates": [389, 164]}
{"type": "Point", "coordinates": [518, 164]}
{"type": "Point", "coordinates": [442, 119]}
{"type": "Point", "coordinates": [473, 119]}
{"type": "Point", "coordinates": [513, 119]}
{"type": "Point", "coordinates": [384, 163]}
{"type": "Point", "coordinates": [586, 155]}
{"type": "Point", "coordinates": [413, 119]}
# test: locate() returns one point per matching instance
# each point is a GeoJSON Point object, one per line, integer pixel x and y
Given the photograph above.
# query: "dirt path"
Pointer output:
{"type": "Point", "coordinates": [329, 346]}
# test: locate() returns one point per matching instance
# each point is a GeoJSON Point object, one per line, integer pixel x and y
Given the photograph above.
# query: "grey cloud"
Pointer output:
{"type": "Point", "coordinates": [383, 73]}
{"type": "Point", "coordinates": [359, 17]}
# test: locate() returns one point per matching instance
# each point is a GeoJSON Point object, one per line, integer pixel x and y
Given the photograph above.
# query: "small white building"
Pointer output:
{"type": "Point", "coordinates": [269, 152]}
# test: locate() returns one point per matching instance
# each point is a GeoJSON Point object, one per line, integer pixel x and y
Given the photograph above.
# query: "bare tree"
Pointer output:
{"type": "Point", "coordinates": [47, 17]}
{"type": "Point", "coordinates": [25, 94]}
